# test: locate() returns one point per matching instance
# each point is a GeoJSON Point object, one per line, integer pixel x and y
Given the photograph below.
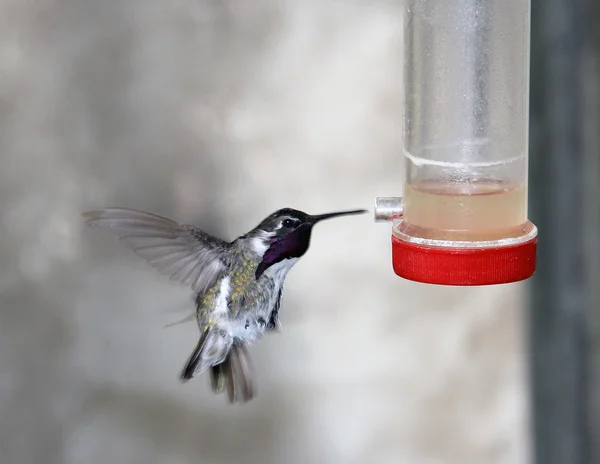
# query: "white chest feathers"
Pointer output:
{"type": "Point", "coordinates": [221, 308]}
{"type": "Point", "coordinates": [278, 271]}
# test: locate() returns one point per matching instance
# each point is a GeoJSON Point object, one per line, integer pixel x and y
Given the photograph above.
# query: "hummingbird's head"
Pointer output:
{"type": "Point", "coordinates": [285, 235]}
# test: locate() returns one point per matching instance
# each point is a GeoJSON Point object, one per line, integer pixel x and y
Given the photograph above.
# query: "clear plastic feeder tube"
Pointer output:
{"type": "Point", "coordinates": [466, 83]}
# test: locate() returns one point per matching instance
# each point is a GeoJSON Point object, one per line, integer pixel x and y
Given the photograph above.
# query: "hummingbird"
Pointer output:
{"type": "Point", "coordinates": [238, 285]}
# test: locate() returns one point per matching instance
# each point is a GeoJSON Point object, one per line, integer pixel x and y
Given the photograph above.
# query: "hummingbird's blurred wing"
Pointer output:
{"type": "Point", "coordinates": [183, 252]}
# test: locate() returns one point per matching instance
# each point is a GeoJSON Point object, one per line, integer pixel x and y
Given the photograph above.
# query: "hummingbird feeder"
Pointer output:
{"type": "Point", "coordinates": [462, 219]}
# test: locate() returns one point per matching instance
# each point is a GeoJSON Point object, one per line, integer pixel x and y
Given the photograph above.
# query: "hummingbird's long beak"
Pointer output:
{"type": "Point", "coordinates": [321, 217]}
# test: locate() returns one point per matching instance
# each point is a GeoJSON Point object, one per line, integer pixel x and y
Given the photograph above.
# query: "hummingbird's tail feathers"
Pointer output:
{"type": "Point", "coordinates": [241, 374]}
{"type": "Point", "coordinates": [217, 377]}
{"type": "Point", "coordinates": [234, 375]}
{"type": "Point", "coordinates": [212, 349]}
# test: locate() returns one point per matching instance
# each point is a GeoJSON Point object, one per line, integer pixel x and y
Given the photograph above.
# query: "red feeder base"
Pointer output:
{"type": "Point", "coordinates": [464, 266]}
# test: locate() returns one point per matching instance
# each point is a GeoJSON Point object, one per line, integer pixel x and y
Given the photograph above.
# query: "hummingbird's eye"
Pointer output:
{"type": "Point", "coordinates": [288, 223]}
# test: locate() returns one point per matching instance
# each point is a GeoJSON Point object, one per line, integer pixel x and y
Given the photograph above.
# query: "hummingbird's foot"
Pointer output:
{"type": "Point", "coordinates": [253, 324]}
{"type": "Point", "coordinates": [261, 323]}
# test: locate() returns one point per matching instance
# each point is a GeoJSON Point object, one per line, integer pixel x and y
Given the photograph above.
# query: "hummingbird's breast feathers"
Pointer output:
{"type": "Point", "coordinates": [243, 264]}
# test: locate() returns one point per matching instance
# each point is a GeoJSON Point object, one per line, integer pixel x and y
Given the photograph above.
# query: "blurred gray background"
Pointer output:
{"type": "Point", "coordinates": [217, 113]}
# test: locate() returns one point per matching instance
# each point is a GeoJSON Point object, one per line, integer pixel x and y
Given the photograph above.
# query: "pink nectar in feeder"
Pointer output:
{"type": "Point", "coordinates": [464, 212]}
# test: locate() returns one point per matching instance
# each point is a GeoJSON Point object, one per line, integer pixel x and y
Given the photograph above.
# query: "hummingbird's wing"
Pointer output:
{"type": "Point", "coordinates": [183, 252]}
